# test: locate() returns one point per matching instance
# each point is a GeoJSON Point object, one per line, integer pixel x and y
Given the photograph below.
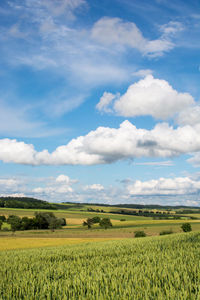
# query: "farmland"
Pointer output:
{"type": "Point", "coordinates": [75, 262]}
{"type": "Point", "coordinates": [150, 268]}
{"type": "Point", "coordinates": [75, 230]}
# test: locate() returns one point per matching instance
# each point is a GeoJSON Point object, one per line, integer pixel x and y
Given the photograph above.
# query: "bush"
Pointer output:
{"type": "Point", "coordinates": [139, 234]}
{"type": "Point", "coordinates": [186, 227]}
{"type": "Point", "coordinates": [123, 220]}
{"type": "Point", "coordinates": [164, 232]}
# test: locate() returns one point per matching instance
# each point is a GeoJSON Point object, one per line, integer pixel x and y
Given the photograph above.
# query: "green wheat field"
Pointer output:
{"type": "Point", "coordinates": [161, 267]}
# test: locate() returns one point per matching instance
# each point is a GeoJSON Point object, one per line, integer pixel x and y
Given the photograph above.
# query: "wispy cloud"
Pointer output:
{"type": "Point", "coordinates": [167, 163]}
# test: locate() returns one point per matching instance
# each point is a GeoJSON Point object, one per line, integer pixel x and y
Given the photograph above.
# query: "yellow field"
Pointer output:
{"type": "Point", "coordinates": [26, 243]}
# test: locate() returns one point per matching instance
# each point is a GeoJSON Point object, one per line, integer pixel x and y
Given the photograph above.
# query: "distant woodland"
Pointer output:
{"type": "Point", "coordinates": [25, 202]}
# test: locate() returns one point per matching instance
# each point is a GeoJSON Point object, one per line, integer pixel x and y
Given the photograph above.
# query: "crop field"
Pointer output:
{"type": "Point", "coordinates": [165, 267]}
{"type": "Point", "coordinates": [28, 243]}
{"type": "Point", "coordinates": [74, 228]}
{"type": "Point", "coordinates": [74, 217]}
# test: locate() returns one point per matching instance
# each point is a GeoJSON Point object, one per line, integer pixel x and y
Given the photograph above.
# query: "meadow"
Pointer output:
{"type": "Point", "coordinates": [165, 267]}
{"type": "Point", "coordinates": [75, 230]}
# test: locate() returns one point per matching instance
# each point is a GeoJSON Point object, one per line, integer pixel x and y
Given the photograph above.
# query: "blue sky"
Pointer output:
{"type": "Point", "coordinates": [99, 100]}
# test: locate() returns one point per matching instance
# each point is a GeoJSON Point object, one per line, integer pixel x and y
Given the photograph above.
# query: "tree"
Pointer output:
{"type": "Point", "coordinates": [186, 227]}
{"type": "Point", "coordinates": [55, 223]}
{"type": "Point", "coordinates": [15, 222]}
{"type": "Point", "coordinates": [28, 223]}
{"type": "Point", "coordinates": [63, 222]}
{"type": "Point", "coordinates": [42, 220]}
{"type": "Point", "coordinates": [3, 218]}
{"type": "Point", "coordinates": [47, 220]}
{"type": "Point", "coordinates": [1, 223]}
{"type": "Point", "coordinates": [105, 223]}
{"type": "Point", "coordinates": [89, 222]}
{"type": "Point", "coordinates": [96, 220]}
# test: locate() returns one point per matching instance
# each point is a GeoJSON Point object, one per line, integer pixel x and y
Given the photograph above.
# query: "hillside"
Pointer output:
{"type": "Point", "coordinates": [25, 202]}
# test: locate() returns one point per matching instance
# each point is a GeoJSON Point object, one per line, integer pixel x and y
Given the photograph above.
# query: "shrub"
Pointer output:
{"type": "Point", "coordinates": [139, 234]}
{"type": "Point", "coordinates": [186, 227]}
{"type": "Point", "coordinates": [123, 220]}
{"type": "Point", "coordinates": [164, 232]}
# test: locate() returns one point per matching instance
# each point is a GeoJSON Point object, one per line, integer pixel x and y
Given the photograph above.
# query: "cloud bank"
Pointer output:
{"type": "Point", "coordinates": [107, 145]}
{"type": "Point", "coordinates": [164, 186]}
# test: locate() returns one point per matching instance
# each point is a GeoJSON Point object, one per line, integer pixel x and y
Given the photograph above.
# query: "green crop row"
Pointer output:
{"type": "Point", "coordinates": [166, 267]}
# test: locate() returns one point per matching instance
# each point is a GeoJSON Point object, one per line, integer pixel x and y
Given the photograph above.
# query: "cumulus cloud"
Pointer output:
{"type": "Point", "coordinates": [60, 185]}
{"type": "Point", "coordinates": [17, 152]}
{"type": "Point", "coordinates": [164, 186]}
{"type": "Point", "coordinates": [107, 145]}
{"type": "Point", "coordinates": [116, 32]}
{"type": "Point", "coordinates": [190, 115]}
{"type": "Point", "coordinates": [148, 96]}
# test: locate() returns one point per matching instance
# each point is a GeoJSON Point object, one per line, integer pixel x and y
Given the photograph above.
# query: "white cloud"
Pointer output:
{"type": "Point", "coordinates": [63, 179]}
{"type": "Point", "coordinates": [9, 183]}
{"type": "Point", "coordinates": [115, 32]}
{"type": "Point", "coordinates": [195, 159]}
{"type": "Point", "coordinates": [62, 184]}
{"type": "Point", "coordinates": [13, 195]}
{"type": "Point", "coordinates": [149, 96]}
{"type": "Point", "coordinates": [58, 189]}
{"type": "Point", "coordinates": [167, 163]}
{"type": "Point", "coordinates": [17, 152]}
{"type": "Point", "coordinates": [190, 116]}
{"type": "Point", "coordinates": [11, 187]}
{"type": "Point", "coordinates": [94, 187]}
{"type": "Point", "coordinates": [164, 186]}
{"type": "Point", "coordinates": [52, 43]}
{"type": "Point", "coordinates": [105, 102]}
{"type": "Point", "coordinates": [107, 145]}
{"type": "Point", "coordinates": [142, 72]}
{"type": "Point", "coordinates": [171, 28]}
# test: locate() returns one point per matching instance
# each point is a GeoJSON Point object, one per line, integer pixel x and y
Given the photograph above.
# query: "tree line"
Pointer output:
{"type": "Point", "coordinates": [41, 220]}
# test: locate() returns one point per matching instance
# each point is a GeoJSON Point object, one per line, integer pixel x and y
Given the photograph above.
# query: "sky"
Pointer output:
{"type": "Point", "coordinates": [99, 101]}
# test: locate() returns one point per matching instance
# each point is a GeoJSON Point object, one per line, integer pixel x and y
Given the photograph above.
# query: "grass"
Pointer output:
{"type": "Point", "coordinates": [166, 267]}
